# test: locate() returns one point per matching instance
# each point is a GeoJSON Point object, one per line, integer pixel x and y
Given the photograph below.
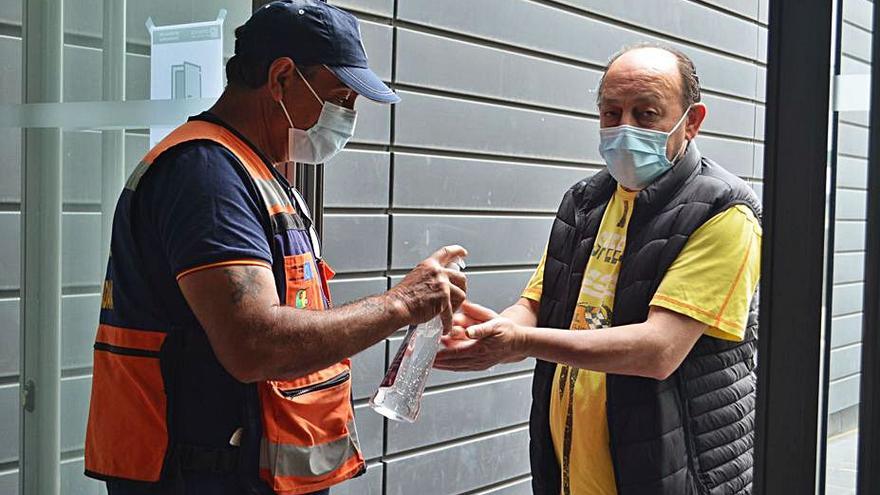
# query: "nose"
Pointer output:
{"type": "Point", "coordinates": [627, 118]}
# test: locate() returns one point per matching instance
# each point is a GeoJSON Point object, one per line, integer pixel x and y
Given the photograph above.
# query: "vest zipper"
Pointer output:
{"type": "Point", "coordinates": [316, 387]}
{"type": "Point", "coordinates": [689, 440]}
{"type": "Point", "coordinates": [611, 436]}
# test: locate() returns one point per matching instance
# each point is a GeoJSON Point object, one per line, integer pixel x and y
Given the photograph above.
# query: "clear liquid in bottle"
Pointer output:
{"type": "Point", "coordinates": [399, 395]}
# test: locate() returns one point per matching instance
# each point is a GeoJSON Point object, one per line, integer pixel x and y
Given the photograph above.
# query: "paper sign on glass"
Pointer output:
{"type": "Point", "coordinates": [186, 61]}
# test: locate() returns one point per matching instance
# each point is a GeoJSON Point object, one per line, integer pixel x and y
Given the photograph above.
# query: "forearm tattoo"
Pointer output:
{"type": "Point", "coordinates": [367, 307]}
{"type": "Point", "coordinates": [372, 306]}
{"type": "Point", "coordinates": [244, 282]}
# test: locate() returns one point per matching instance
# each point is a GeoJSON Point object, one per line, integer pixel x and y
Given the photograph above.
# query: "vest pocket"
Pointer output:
{"type": "Point", "coordinates": [127, 433]}
{"type": "Point", "coordinates": [317, 387]}
{"type": "Point", "coordinates": [309, 440]}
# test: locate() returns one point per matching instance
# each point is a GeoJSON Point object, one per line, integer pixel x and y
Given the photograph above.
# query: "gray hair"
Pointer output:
{"type": "Point", "coordinates": [690, 82]}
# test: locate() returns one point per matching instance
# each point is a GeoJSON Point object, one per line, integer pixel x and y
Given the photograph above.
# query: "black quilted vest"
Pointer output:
{"type": "Point", "coordinates": [693, 432]}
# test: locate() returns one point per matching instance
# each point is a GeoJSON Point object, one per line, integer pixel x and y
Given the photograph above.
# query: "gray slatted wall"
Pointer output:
{"type": "Point", "coordinates": [497, 121]}
{"type": "Point", "coordinates": [849, 255]}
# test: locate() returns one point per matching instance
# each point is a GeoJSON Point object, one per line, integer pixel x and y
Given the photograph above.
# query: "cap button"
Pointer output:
{"type": "Point", "coordinates": [302, 11]}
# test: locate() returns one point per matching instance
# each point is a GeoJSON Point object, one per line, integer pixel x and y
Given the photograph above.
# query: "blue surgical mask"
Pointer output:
{"type": "Point", "coordinates": [322, 141]}
{"type": "Point", "coordinates": [636, 156]}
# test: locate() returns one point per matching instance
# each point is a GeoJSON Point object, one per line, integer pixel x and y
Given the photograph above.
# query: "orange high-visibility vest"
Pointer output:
{"type": "Point", "coordinates": [306, 440]}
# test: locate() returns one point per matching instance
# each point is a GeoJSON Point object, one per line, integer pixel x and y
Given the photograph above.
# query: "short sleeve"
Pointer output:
{"type": "Point", "coordinates": [716, 275]}
{"type": "Point", "coordinates": [535, 286]}
{"type": "Point", "coordinates": [202, 210]}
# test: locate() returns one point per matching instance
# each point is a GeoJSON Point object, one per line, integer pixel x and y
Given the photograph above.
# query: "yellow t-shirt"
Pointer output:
{"type": "Point", "coordinates": [712, 280]}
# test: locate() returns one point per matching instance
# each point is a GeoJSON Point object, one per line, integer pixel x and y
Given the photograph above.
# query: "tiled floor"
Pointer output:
{"type": "Point", "coordinates": [841, 472]}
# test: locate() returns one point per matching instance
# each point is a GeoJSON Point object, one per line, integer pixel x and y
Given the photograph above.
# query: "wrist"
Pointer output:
{"type": "Point", "coordinates": [521, 341]}
{"type": "Point", "coordinates": [396, 310]}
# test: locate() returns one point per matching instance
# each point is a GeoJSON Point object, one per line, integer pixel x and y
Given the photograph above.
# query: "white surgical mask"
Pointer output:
{"type": "Point", "coordinates": [322, 141]}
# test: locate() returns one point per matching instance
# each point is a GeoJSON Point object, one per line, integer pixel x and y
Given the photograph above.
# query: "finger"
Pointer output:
{"type": "Point", "coordinates": [448, 254]}
{"type": "Point", "coordinates": [481, 331]}
{"type": "Point", "coordinates": [463, 365]}
{"type": "Point", "coordinates": [456, 297]}
{"type": "Point", "coordinates": [464, 360]}
{"type": "Point", "coordinates": [477, 312]}
{"type": "Point", "coordinates": [454, 357]}
{"type": "Point", "coordinates": [446, 315]}
{"type": "Point", "coordinates": [446, 367]}
{"type": "Point", "coordinates": [464, 320]}
{"type": "Point", "coordinates": [457, 278]}
{"type": "Point", "coordinates": [458, 351]}
{"type": "Point", "coordinates": [453, 349]}
{"type": "Point", "coordinates": [458, 332]}
{"type": "Point", "coordinates": [452, 367]}
{"type": "Point", "coordinates": [444, 352]}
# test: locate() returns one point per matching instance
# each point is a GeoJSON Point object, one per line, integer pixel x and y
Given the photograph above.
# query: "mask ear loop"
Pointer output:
{"type": "Point", "coordinates": [284, 109]}
{"type": "Point", "coordinates": [682, 119]}
{"type": "Point", "coordinates": [686, 141]}
{"type": "Point", "coordinates": [347, 94]}
{"type": "Point", "coordinates": [309, 86]}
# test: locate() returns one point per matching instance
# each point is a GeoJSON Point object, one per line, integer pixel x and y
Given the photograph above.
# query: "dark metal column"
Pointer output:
{"type": "Point", "coordinates": [793, 256]}
{"type": "Point", "coordinates": [310, 183]}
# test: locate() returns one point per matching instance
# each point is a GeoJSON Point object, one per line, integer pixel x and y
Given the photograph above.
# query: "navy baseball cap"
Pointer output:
{"type": "Point", "coordinates": [311, 32]}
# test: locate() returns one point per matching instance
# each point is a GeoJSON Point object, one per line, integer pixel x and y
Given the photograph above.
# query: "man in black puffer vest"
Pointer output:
{"type": "Point", "coordinates": [643, 311]}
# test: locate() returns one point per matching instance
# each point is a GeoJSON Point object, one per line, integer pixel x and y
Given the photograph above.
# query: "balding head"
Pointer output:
{"type": "Point", "coordinates": [655, 61]}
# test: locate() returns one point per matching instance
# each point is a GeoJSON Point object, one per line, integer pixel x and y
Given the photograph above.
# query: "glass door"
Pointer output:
{"type": "Point", "coordinates": [817, 416]}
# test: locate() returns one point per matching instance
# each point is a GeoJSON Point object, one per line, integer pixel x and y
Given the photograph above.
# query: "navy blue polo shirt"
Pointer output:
{"type": "Point", "coordinates": [194, 207]}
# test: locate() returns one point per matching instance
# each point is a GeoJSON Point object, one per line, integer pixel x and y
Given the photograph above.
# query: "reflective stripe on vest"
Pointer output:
{"type": "Point", "coordinates": [309, 440]}
{"type": "Point", "coordinates": [294, 461]}
{"type": "Point", "coordinates": [297, 468]}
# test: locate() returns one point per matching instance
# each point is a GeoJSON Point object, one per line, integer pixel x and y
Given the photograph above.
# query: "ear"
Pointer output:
{"type": "Point", "coordinates": [281, 74]}
{"type": "Point", "coordinates": [696, 116]}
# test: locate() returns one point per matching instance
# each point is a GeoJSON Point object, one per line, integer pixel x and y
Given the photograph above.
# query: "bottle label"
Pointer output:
{"type": "Point", "coordinates": [404, 349]}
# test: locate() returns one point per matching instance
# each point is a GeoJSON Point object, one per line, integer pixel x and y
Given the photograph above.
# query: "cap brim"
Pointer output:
{"type": "Point", "coordinates": [365, 82]}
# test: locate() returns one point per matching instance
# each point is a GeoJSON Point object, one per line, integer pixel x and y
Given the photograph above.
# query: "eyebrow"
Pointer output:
{"type": "Point", "coordinates": [645, 97]}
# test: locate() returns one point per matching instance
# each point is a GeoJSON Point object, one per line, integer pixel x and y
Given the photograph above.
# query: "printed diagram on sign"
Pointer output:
{"type": "Point", "coordinates": [186, 81]}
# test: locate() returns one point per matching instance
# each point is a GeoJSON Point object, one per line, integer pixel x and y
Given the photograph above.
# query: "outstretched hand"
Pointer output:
{"type": "Point", "coordinates": [480, 339]}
